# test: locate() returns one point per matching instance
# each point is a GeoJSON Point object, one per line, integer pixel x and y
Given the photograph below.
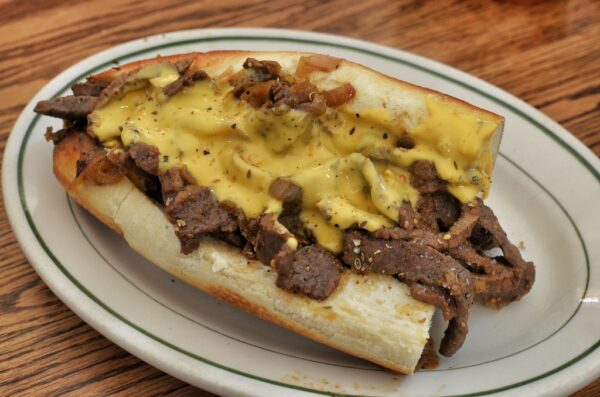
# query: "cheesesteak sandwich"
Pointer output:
{"type": "Point", "coordinates": [309, 190]}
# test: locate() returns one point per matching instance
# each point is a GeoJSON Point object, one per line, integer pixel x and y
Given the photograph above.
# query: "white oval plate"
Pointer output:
{"type": "Point", "coordinates": [546, 193]}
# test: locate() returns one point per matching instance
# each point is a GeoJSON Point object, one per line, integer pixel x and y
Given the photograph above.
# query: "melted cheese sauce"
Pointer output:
{"type": "Point", "coordinates": [347, 164]}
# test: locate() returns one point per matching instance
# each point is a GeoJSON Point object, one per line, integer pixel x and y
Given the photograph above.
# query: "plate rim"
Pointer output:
{"type": "Point", "coordinates": [555, 131]}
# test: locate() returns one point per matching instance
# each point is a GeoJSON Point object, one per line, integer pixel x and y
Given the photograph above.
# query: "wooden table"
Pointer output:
{"type": "Point", "coordinates": [546, 52]}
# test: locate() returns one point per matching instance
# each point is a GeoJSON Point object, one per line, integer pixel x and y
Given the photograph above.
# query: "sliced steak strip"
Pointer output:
{"type": "Point", "coordinates": [185, 80]}
{"type": "Point", "coordinates": [461, 228]}
{"type": "Point", "coordinates": [315, 107]}
{"type": "Point", "coordinates": [293, 95]}
{"type": "Point", "coordinates": [523, 271]}
{"type": "Point", "coordinates": [418, 264]}
{"type": "Point", "coordinates": [494, 282]}
{"type": "Point", "coordinates": [183, 65]}
{"type": "Point", "coordinates": [398, 233]}
{"type": "Point", "coordinates": [172, 181]}
{"type": "Point", "coordinates": [253, 74]}
{"type": "Point", "coordinates": [447, 209]}
{"type": "Point", "coordinates": [407, 217]}
{"type": "Point", "coordinates": [285, 191]}
{"type": "Point", "coordinates": [424, 177]}
{"type": "Point", "coordinates": [497, 281]}
{"type": "Point", "coordinates": [145, 156]}
{"type": "Point", "coordinates": [312, 271]}
{"type": "Point", "coordinates": [117, 86]}
{"type": "Point", "coordinates": [262, 70]}
{"type": "Point", "coordinates": [290, 219]}
{"type": "Point", "coordinates": [457, 234]}
{"type": "Point", "coordinates": [248, 229]}
{"type": "Point", "coordinates": [67, 107]}
{"type": "Point", "coordinates": [290, 194]}
{"type": "Point", "coordinates": [427, 213]}
{"type": "Point", "coordinates": [195, 212]}
{"type": "Point", "coordinates": [434, 296]}
{"type": "Point", "coordinates": [233, 238]}
{"type": "Point", "coordinates": [481, 239]}
{"type": "Point", "coordinates": [301, 95]}
{"type": "Point", "coordinates": [89, 88]}
{"type": "Point", "coordinates": [270, 241]}
{"type": "Point", "coordinates": [146, 182]}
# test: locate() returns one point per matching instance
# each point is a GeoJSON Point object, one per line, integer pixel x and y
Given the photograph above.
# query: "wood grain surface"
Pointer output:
{"type": "Point", "coordinates": [545, 52]}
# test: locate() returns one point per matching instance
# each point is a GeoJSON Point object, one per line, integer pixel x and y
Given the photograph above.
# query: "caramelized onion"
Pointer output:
{"type": "Point", "coordinates": [339, 95]}
{"type": "Point", "coordinates": [309, 64]}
